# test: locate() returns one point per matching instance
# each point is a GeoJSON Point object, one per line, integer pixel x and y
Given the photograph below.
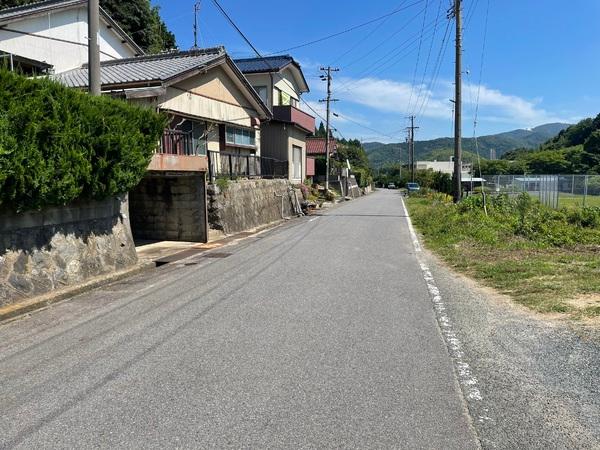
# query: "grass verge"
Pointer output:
{"type": "Point", "coordinates": [546, 260]}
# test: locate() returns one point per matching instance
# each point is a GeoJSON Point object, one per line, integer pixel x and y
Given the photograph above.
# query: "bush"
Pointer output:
{"type": "Point", "coordinates": [58, 145]}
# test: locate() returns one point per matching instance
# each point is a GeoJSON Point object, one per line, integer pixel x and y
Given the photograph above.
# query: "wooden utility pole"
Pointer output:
{"type": "Point", "coordinates": [411, 147]}
{"type": "Point", "coordinates": [457, 181]}
{"type": "Point", "coordinates": [328, 100]}
{"type": "Point", "coordinates": [93, 48]}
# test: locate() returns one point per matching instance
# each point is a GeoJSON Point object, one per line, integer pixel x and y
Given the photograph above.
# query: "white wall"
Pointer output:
{"type": "Point", "coordinates": [67, 25]}
{"type": "Point", "coordinates": [284, 81]}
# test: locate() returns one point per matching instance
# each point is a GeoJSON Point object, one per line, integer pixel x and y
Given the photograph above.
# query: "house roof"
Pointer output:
{"type": "Point", "coordinates": [270, 64]}
{"type": "Point", "coordinates": [316, 146]}
{"type": "Point", "coordinates": [162, 70]}
{"type": "Point", "coordinates": [267, 64]}
{"type": "Point", "coordinates": [9, 15]}
{"type": "Point", "coordinates": [155, 69]}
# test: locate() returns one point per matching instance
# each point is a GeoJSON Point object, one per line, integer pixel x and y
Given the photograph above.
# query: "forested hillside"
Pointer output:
{"type": "Point", "coordinates": [138, 18]}
{"type": "Point", "coordinates": [574, 150]}
{"type": "Point", "coordinates": [382, 154]}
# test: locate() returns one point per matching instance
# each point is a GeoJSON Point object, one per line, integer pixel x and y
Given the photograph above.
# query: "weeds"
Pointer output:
{"type": "Point", "coordinates": [541, 257]}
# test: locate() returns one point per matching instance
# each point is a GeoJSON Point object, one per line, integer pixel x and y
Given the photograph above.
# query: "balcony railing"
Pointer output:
{"type": "Point", "coordinates": [178, 142]}
{"type": "Point", "coordinates": [294, 115]}
{"type": "Point", "coordinates": [233, 165]}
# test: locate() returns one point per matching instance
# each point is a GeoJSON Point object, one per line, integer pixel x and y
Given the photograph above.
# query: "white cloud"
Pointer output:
{"type": "Point", "coordinates": [388, 96]}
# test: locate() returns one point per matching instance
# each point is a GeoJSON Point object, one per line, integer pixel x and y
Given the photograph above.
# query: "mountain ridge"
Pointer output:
{"type": "Point", "coordinates": [381, 154]}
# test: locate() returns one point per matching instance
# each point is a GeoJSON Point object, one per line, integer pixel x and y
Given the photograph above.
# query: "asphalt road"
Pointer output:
{"type": "Point", "coordinates": [318, 334]}
{"type": "Point", "coordinates": [333, 331]}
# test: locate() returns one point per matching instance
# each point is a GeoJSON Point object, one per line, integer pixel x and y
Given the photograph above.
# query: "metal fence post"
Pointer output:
{"type": "Point", "coordinates": [585, 190]}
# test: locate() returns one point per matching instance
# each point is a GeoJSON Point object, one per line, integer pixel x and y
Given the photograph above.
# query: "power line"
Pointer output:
{"type": "Point", "coordinates": [428, 57]}
{"type": "Point", "coordinates": [348, 30]}
{"type": "Point", "coordinates": [363, 126]}
{"type": "Point", "coordinates": [437, 69]}
{"type": "Point", "coordinates": [412, 88]}
{"type": "Point", "coordinates": [266, 61]}
{"type": "Point", "coordinates": [389, 59]}
{"type": "Point", "coordinates": [385, 41]}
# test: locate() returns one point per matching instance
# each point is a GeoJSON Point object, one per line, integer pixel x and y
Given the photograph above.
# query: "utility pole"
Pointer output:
{"type": "Point", "coordinates": [93, 48]}
{"type": "Point", "coordinates": [328, 100]}
{"type": "Point", "coordinates": [411, 147]}
{"type": "Point", "coordinates": [196, 11]}
{"type": "Point", "coordinates": [457, 187]}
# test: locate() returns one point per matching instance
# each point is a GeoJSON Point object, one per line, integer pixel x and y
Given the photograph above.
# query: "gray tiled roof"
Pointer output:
{"type": "Point", "coordinates": [268, 64]}
{"type": "Point", "coordinates": [157, 68]}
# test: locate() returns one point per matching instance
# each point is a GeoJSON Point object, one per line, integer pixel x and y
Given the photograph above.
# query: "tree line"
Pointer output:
{"type": "Point", "coordinates": [575, 150]}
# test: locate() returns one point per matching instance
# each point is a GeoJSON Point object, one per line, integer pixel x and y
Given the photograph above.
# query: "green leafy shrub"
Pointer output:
{"type": "Point", "coordinates": [58, 145]}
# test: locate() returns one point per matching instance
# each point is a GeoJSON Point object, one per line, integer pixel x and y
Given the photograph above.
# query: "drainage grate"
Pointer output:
{"type": "Point", "coordinates": [217, 255]}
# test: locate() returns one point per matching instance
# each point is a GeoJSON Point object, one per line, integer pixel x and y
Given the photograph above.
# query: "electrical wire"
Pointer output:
{"type": "Point", "coordinates": [364, 126]}
{"type": "Point", "coordinates": [348, 30]}
{"type": "Point", "coordinates": [412, 86]}
{"type": "Point", "coordinates": [388, 60]}
{"type": "Point", "coordinates": [384, 41]}
{"type": "Point", "coordinates": [230, 20]}
{"type": "Point", "coordinates": [366, 38]}
{"type": "Point", "coordinates": [485, 32]}
{"type": "Point", "coordinates": [428, 57]}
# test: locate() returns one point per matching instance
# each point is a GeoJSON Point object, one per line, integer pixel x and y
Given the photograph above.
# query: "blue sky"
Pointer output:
{"type": "Point", "coordinates": [541, 60]}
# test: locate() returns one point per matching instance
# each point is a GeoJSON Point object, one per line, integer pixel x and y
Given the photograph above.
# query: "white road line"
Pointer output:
{"type": "Point", "coordinates": [413, 235]}
{"type": "Point", "coordinates": [313, 219]}
{"type": "Point", "coordinates": [465, 376]}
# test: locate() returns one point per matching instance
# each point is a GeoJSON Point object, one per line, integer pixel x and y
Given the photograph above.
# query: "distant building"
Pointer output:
{"type": "Point", "coordinates": [443, 166]}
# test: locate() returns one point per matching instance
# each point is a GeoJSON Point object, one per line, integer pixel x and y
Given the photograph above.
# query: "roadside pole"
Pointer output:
{"type": "Point", "coordinates": [93, 48]}
{"type": "Point", "coordinates": [457, 188]}
{"type": "Point", "coordinates": [328, 100]}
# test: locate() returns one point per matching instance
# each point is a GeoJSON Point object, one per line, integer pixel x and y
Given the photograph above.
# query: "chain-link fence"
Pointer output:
{"type": "Point", "coordinates": [556, 191]}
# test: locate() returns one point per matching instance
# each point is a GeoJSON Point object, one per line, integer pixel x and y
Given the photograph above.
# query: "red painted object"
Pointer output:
{"type": "Point", "coordinates": [310, 167]}
{"type": "Point", "coordinates": [294, 115]}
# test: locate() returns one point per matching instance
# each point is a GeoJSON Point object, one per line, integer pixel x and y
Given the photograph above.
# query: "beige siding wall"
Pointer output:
{"type": "Point", "coordinates": [297, 138]}
{"type": "Point", "coordinates": [262, 79]}
{"type": "Point", "coordinates": [284, 81]}
{"type": "Point", "coordinates": [211, 96]}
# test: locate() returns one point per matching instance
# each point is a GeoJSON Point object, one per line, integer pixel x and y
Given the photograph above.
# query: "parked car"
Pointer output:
{"type": "Point", "coordinates": [413, 187]}
{"type": "Point", "coordinates": [391, 186]}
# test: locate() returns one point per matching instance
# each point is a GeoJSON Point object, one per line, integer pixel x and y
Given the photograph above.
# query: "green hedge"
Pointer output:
{"type": "Point", "coordinates": [58, 145]}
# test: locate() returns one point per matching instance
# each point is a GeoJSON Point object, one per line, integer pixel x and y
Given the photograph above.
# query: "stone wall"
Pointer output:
{"type": "Point", "coordinates": [247, 204]}
{"type": "Point", "coordinates": [58, 247]}
{"type": "Point", "coordinates": [170, 207]}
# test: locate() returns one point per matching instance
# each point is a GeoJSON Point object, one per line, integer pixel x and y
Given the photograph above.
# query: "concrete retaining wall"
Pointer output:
{"type": "Point", "coordinates": [45, 250]}
{"type": "Point", "coordinates": [248, 204]}
{"type": "Point", "coordinates": [170, 207]}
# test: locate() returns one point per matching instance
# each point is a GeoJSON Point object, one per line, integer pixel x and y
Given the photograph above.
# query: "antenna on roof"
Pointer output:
{"type": "Point", "coordinates": [196, 12]}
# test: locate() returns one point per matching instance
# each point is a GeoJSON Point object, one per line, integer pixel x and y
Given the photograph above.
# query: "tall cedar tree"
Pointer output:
{"type": "Point", "coordinates": [138, 18]}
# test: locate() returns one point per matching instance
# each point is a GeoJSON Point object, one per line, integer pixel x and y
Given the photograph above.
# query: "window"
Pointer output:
{"type": "Point", "coordinates": [240, 136]}
{"type": "Point", "coordinates": [286, 99]}
{"type": "Point", "coordinates": [297, 162]}
{"type": "Point", "coordinates": [262, 93]}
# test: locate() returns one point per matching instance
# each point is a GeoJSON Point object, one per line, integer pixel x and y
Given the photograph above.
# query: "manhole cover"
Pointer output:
{"type": "Point", "coordinates": [217, 255]}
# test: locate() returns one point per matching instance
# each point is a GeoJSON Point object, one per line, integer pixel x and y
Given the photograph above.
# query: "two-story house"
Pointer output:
{"type": "Point", "coordinates": [279, 82]}
{"type": "Point", "coordinates": [52, 36]}
{"type": "Point", "coordinates": [211, 107]}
